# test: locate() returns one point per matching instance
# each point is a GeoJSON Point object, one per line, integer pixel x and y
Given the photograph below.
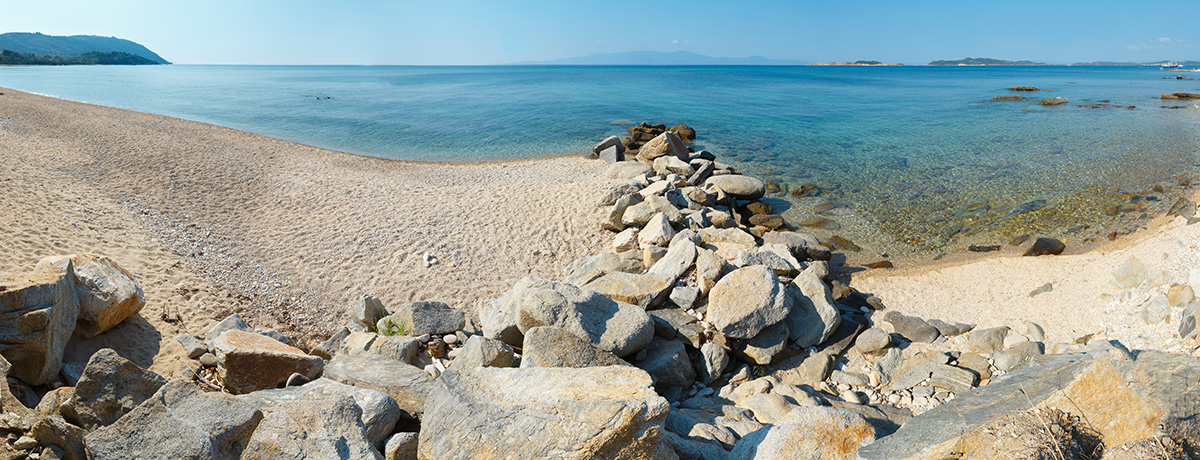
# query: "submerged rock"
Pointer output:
{"type": "Point", "coordinates": [1043, 246]}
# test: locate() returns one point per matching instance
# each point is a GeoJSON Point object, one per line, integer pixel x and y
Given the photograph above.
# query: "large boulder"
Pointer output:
{"type": "Point", "coordinates": [232, 322]}
{"type": "Point", "coordinates": [38, 310]}
{"type": "Point", "coordinates": [813, 315]}
{"type": "Point", "coordinates": [54, 431]}
{"type": "Point", "coordinates": [107, 293]}
{"type": "Point", "coordinates": [110, 387]}
{"type": "Point", "coordinates": [737, 186]}
{"type": "Point", "coordinates": [408, 385]}
{"type": "Point", "coordinates": [807, 432]}
{"type": "Point", "coordinates": [9, 403]}
{"type": "Point", "coordinates": [499, 320]}
{"type": "Point", "coordinates": [586, 269]}
{"type": "Point", "coordinates": [179, 421]}
{"type": "Point", "coordinates": [763, 347]}
{"type": "Point", "coordinates": [615, 327]}
{"type": "Point", "coordinates": [429, 318]}
{"type": "Point", "coordinates": [668, 363]}
{"type": "Point", "coordinates": [641, 290]}
{"type": "Point", "coordinates": [1124, 398]}
{"type": "Point", "coordinates": [625, 170]}
{"type": "Point", "coordinates": [327, 428]}
{"type": "Point", "coordinates": [254, 362]}
{"type": "Point", "coordinates": [550, 346]}
{"type": "Point", "coordinates": [746, 301]}
{"type": "Point", "coordinates": [680, 256]}
{"type": "Point", "coordinates": [663, 145]}
{"type": "Point", "coordinates": [537, 413]}
{"type": "Point", "coordinates": [656, 232]}
{"type": "Point", "coordinates": [378, 412]}
{"type": "Point", "coordinates": [367, 312]}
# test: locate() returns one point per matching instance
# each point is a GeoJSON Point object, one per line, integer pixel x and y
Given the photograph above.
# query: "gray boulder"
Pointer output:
{"type": "Point", "coordinates": [642, 290]}
{"type": "Point", "coordinates": [673, 165]}
{"type": "Point", "coordinates": [680, 256]}
{"type": "Point", "coordinates": [872, 340]}
{"type": "Point", "coordinates": [616, 214]}
{"type": "Point", "coordinates": [807, 432]}
{"type": "Point", "coordinates": [550, 346]}
{"type": "Point", "coordinates": [179, 421]}
{"type": "Point", "coordinates": [107, 293]}
{"type": "Point", "coordinates": [252, 362]}
{"type": "Point", "coordinates": [670, 322]}
{"type": "Point", "coordinates": [668, 363]}
{"type": "Point", "coordinates": [401, 446]}
{"type": "Point", "coordinates": [367, 312]}
{"type": "Point", "coordinates": [613, 154]}
{"type": "Point", "coordinates": [737, 186]}
{"type": "Point", "coordinates": [615, 327]}
{"type": "Point", "coordinates": [763, 347]}
{"type": "Point", "coordinates": [746, 301]}
{"type": "Point", "coordinates": [625, 170]}
{"type": "Point", "coordinates": [483, 352]}
{"type": "Point", "coordinates": [608, 142]}
{"type": "Point", "coordinates": [813, 316]}
{"type": "Point", "coordinates": [54, 431]}
{"type": "Point", "coordinates": [499, 318]}
{"type": "Point", "coordinates": [110, 387]}
{"type": "Point", "coordinates": [617, 191]}
{"type": "Point", "coordinates": [537, 413]}
{"type": "Point", "coordinates": [1007, 360]}
{"type": "Point", "coordinates": [408, 385]}
{"type": "Point", "coordinates": [192, 346]}
{"type": "Point", "coordinates": [987, 341]}
{"type": "Point", "coordinates": [399, 348]}
{"type": "Point", "coordinates": [330, 346]}
{"type": "Point", "coordinates": [232, 322]}
{"type": "Point", "coordinates": [378, 411]}
{"type": "Point", "coordinates": [311, 429]}
{"type": "Point", "coordinates": [657, 232]}
{"type": "Point", "coordinates": [715, 359]}
{"type": "Point", "coordinates": [429, 318]}
{"type": "Point", "coordinates": [38, 310]}
{"type": "Point", "coordinates": [912, 328]}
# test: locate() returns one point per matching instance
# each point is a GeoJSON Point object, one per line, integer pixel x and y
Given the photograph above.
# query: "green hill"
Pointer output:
{"type": "Point", "coordinates": [77, 49]}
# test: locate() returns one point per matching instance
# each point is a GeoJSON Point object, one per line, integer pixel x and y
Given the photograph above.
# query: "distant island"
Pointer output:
{"type": "Point", "coordinates": [661, 58]}
{"type": "Point", "coordinates": [859, 63]}
{"type": "Point", "coordinates": [20, 48]}
{"type": "Point", "coordinates": [985, 61]}
{"type": "Point", "coordinates": [1134, 64]}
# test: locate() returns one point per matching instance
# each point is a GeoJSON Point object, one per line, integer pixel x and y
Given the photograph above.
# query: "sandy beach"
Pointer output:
{"type": "Point", "coordinates": [214, 221]}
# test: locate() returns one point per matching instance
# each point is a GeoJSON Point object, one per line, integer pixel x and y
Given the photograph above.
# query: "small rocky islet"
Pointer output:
{"type": "Point", "coordinates": [707, 332]}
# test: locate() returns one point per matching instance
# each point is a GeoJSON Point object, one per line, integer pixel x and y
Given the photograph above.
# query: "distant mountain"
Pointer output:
{"type": "Point", "coordinates": [985, 61]}
{"type": "Point", "coordinates": [74, 46]}
{"type": "Point", "coordinates": [661, 58]}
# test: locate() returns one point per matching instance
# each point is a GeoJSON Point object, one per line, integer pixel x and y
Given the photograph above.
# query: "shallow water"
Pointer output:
{"type": "Point", "coordinates": [922, 158]}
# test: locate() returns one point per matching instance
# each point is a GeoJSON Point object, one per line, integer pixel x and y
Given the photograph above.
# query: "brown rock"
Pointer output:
{"type": "Point", "coordinates": [1043, 246]}
{"type": "Point", "coordinates": [256, 362]}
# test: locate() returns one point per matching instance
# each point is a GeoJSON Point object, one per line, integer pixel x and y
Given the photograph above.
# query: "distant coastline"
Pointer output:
{"type": "Point", "coordinates": [36, 49]}
{"type": "Point", "coordinates": [859, 63]}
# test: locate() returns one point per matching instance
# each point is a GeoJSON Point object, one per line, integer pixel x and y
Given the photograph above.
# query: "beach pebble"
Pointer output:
{"type": "Point", "coordinates": [852, 397]}
{"type": "Point", "coordinates": [424, 338]}
{"type": "Point", "coordinates": [208, 360]}
{"type": "Point", "coordinates": [433, 370]}
{"type": "Point", "coordinates": [450, 339]}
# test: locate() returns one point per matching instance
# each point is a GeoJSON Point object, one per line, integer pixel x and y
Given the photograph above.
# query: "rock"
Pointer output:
{"type": "Point", "coordinates": [709, 268]}
{"type": "Point", "coordinates": [9, 403]}
{"type": "Point", "coordinates": [627, 240]}
{"type": "Point", "coordinates": [110, 387]}
{"type": "Point", "coordinates": [662, 145]}
{"type": "Point", "coordinates": [398, 348]}
{"type": "Point", "coordinates": [327, 348]}
{"type": "Point", "coordinates": [51, 403]}
{"type": "Point", "coordinates": [208, 360]}
{"type": "Point", "coordinates": [38, 310]}
{"type": "Point", "coordinates": [668, 364]}
{"type": "Point", "coordinates": [590, 268]}
{"type": "Point", "coordinates": [378, 411]}
{"type": "Point", "coordinates": [673, 165]}
{"type": "Point", "coordinates": [321, 428]}
{"type": "Point", "coordinates": [777, 264]}
{"type": "Point", "coordinates": [1043, 246]}
{"type": "Point", "coordinates": [625, 170]}
{"type": "Point", "coordinates": [1156, 310]}
{"type": "Point", "coordinates": [254, 362]}
{"type": "Point", "coordinates": [685, 132]}
{"type": "Point", "coordinates": [1053, 101]}
{"type": "Point", "coordinates": [1180, 295]}
{"type": "Point", "coordinates": [1160, 403]}
{"type": "Point", "coordinates": [1007, 360]}
{"type": "Point", "coordinates": [358, 342]}
{"type": "Point", "coordinates": [737, 186]}
{"type": "Point", "coordinates": [232, 322]}
{"type": "Point", "coordinates": [644, 132]}
{"type": "Point", "coordinates": [616, 215]}
{"type": "Point", "coordinates": [613, 154]}
{"type": "Point", "coordinates": [617, 191]}
{"type": "Point", "coordinates": [657, 232]}
{"type": "Point", "coordinates": [1187, 322]}
{"type": "Point", "coordinates": [872, 340]}
{"type": "Point", "coordinates": [953, 379]}
{"type": "Point", "coordinates": [684, 297]}
{"type": "Point", "coordinates": [746, 301]}
{"type": "Point", "coordinates": [680, 256]}
{"type": "Point", "coordinates": [807, 432]}
{"type": "Point", "coordinates": [916, 369]}
{"type": "Point", "coordinates": [950, 329]}
{"type": "Point", "coordinates": [483, 352]}
{"type": "Point", "coordinates": [401, 446]}
{"type": "Point", "coordinates": [652, 254]}
{"type": "Point", "coordinates": [192, 346]}
{"type": "Point", "coordinates": [813, 316]}
{"type": "Point", "coordinates": [537, 413]}
{"type": "Point", "coordinates": [54, 431]}
{"type": "Point", "coordinates": [107, 293]}
{"type": "Point", "coordinates": [408, 385]}
{"type": "Point", "coordinates": [638, 214]}
{"type": "Point", "coordinates": [803, 245]}
{"type": "Point", "coordinates": [715, 359]}
{"type": "Point", "coordinates": [1180, 95]}
{"type": "Point", "coordinates": [763, 347]}
{"type": "Point", "coordinates": [430, 318]}
{"type": "Point", "coordinates": [912, 328]}
{"type": "Point", "coordinates": [615, 327]}
{"type": "Point", "coordinates": [641, 290]}
{"type": "Point", "coordinates": [727, 235]}
{"type": "Point", "coordinates": [550, 346]}
{"type": "Point", "coordinates": [179, 421]}
{"type": "Point", "coordinates": [610, 141]}
{"type": "Point", "coordinates": [368, 312]}
{"type": "Point", "coordinates": [987, 341]}
{"type": "Point", "coordinates": [770, 221]}
{"type": "Point", "coordinates": [703, 172]}
{"type": "Point", "coordinates": [657, 188]}
{"type": "Point", "coordinates": [669, 322]}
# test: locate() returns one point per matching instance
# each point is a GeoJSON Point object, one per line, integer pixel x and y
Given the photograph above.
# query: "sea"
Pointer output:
{"type": "Point", "coordinates": [909, 162]}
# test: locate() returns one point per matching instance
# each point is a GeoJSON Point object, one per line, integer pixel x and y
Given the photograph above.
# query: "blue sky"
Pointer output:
{"type": "Point", "coordinates": [498, 32]}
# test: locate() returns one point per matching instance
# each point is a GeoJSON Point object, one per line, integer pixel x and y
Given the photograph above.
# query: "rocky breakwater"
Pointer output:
{"type": "Point", "coordinates": [702, 334]}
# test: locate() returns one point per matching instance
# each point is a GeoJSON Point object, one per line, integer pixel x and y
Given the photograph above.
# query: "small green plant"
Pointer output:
{"type": "Point", "coordinates": [390, 327]}
{"type": "Point", "coordinates": [758, 371]}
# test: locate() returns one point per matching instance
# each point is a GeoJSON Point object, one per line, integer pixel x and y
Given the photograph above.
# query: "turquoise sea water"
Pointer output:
{"type": "Point", "coordinates": [922, 158]}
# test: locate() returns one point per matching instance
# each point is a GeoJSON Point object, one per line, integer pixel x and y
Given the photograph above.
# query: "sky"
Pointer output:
{"type": "Point", "coordinates": [480, 32]}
